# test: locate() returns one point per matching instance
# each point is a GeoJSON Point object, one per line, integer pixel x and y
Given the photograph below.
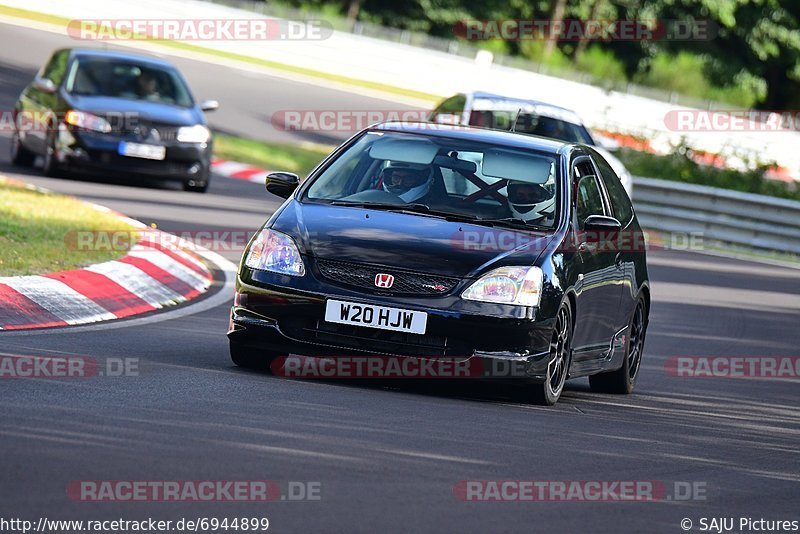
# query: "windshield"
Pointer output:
{"type": "Point", "coordinates": [112, 77]}
{"type": "Point", "coordinates": [439, 176]}
{"type": "Point", "coordinates": [531, 123]}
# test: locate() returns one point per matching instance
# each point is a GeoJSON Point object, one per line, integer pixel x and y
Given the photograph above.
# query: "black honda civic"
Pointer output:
{"type": "Point", "coordinates": [115, 113]}
{"type": "Point", "coordinates": [421, 241]}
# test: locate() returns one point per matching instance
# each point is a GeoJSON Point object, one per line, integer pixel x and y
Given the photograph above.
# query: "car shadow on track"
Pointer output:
{"type": "Point", "coordinates": [507, 391]}
{"type": "Point", "coordinates": [125, 181]}
{"type": "Point", "coordinates": [101, 178]}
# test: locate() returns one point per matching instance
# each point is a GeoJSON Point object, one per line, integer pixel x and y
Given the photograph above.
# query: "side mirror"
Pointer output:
{"type": "Point", "coordinates": [282, 184]}
{"type": "Point", "coordinates": [209, 105]}
{"type": "Point", "coordinates": [601, 228]}
{"type": "Point", "coordinates": [44, 85]}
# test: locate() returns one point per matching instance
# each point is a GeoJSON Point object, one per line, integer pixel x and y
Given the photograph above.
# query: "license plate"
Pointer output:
{"type": "Point", "coordinates": [139, 150]}
{"type": "Point", "coordinates": [371, 316]}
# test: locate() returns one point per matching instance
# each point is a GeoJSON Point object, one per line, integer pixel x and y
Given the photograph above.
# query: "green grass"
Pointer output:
{"type": "Point", "coordinates": [38, 231]}
{"type": "Point", "coordinates": [271, 156]}
{"type": "Point", "coordinates": [679, 167]}
{"type": "Point", "coordinates": [179, 45]}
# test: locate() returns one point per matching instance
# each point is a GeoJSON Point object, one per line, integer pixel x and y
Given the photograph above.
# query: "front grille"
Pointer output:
{"type": "Point", "coordinates": [145, 131]}
{"type": "Point", "coordinates": [372, 340]}
{"type": "Point", "coordinates": [405, 282]}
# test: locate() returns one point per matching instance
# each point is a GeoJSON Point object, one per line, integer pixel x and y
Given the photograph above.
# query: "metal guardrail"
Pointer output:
{"type": "Point", "coordinates": [729, 217]}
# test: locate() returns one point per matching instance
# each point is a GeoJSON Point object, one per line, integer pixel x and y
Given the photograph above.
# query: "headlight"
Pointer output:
{"type": "Point", "coordinates": [193, 134]}
{"type": "Point", "coordinates": [508, 285]}
{"type": "Point", "coordinates": [87, 121]}
{"type": "Point", "coordinates": [276, 252]}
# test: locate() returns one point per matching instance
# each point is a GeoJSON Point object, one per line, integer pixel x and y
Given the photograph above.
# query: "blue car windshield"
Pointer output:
{"type": "Point", "coordinates": [112, 77]}
{"type": "Point", "coordinates": [464, 178]}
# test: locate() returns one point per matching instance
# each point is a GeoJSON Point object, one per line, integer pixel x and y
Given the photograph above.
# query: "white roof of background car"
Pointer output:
{"type": "Point", "coordinates": [491, 102]}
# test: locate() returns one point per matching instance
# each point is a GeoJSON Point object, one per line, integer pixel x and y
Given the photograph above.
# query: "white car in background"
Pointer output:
{"type": "Point", "coordinates": [498, 112]}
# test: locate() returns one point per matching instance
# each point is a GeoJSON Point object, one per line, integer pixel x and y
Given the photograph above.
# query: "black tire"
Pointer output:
{"type": "Point", "coordinates": [51, 166]}
{"type": "Point", "coordinates": [251, 357]}
{"type": "Point", "coordinates": [623, 380]}
{"type": "Point", "coordinates": [548, 392]}
{"type": "Point", "coordinates": [199, 185]}
{"type": "Point", "coordinates": [20, 156]}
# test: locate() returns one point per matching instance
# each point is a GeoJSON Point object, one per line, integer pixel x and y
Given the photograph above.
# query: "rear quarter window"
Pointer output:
{"type": "Point", "coordinates": [620, 202]}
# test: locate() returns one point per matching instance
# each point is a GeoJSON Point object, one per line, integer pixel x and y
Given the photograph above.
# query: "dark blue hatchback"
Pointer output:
{"type": "Point", "coordinates": [113, 113]}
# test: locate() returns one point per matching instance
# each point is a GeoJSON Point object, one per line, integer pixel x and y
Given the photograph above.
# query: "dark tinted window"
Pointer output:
{"type": "Point", "coordinates": [589, 200]}
{"type": "Point", "coordinates": [551, 127]}
{"type": "Point", "coordinates": [56, 67]}
{"type": "Point", "coordinates": [620, 203]}
{"type": "Point", "coordinates": [530, 123]}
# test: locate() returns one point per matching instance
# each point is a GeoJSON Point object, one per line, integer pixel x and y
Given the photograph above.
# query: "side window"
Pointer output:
{"type": "Point", "coordinates": [620, 203]}
{"type": "Point", "coordinates": [56, 67]}
{"type": "Point", "coordinates": [589, 199]}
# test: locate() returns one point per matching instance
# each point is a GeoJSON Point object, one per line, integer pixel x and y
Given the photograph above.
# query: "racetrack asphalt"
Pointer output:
{"type": "Point", "coordinates": [388, 456]}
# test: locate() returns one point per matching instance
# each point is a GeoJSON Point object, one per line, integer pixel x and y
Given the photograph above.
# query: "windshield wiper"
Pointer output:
{"type": "Point", "coordinates": [370, 205]}
{"type": "Point", "coordinates": [424, 209]}
{"type": "Point", "coordinates": [418, 208]}
{"type": "Point", "coordinates": [513, 221]}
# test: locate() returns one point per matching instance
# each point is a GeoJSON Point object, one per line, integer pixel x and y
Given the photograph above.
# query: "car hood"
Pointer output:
{"type": "Point", "coordinates": [406, 241]}
{"type": "Point", "coordinates": [149, 111]}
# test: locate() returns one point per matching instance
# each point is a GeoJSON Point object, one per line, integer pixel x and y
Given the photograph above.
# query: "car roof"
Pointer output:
{"type": "Point", "coordinates": [118, 54]}
{"type": "Point", "coordinates": [498, 137]}
{"type": "Point", "coordinates": [542, 108]}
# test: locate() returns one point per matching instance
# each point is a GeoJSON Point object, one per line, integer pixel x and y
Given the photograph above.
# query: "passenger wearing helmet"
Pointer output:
{"type": "Point", "coordinates": [532, 203]}
{"type": "Point", "coordinates": [408, 181]}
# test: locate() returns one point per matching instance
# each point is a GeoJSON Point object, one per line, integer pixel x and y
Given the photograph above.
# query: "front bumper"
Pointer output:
{"type": "Point", "coordinates": [98, 153]}
{"type": "Point", "coordinates": [282, 320]}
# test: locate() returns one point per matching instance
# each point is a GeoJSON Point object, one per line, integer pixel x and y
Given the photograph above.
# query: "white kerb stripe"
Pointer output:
{"type": "Point", "coordinates": [175, 268]}
{"type": "Point", "coordinates": [59, 299]}
{"type": "Point", "coordinates": [147, 244]}
{"type": "Point", "coordinates": [192, 259]}
{"type": "Point", "coordinates": [138, 282]}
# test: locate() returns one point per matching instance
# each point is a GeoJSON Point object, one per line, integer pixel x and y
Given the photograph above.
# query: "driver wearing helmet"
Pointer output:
{"type": "Point", "coordinates": [532, 203]}
{"type": "Point", "coordinates": [408, 181]}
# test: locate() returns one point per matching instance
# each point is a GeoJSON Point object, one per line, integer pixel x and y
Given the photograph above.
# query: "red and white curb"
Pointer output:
{"type": "Point", "coordinates": [238, 171]}
{"type": "Point", "coordinates": [150, 277]}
